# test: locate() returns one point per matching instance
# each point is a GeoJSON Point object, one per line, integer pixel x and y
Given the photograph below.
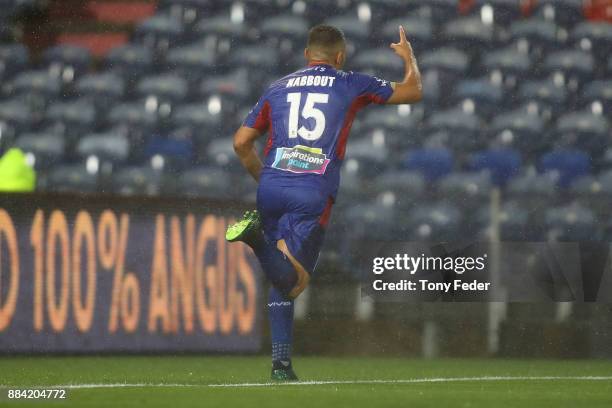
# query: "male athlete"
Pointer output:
{"type": "Point", "coordinates": [308, 115]}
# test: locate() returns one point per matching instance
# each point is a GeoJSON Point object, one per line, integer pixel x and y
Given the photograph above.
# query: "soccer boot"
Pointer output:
{"type": "Point", "coordinates": [247, 230]}
{"type": "Point", "coordinates": [280, 372]}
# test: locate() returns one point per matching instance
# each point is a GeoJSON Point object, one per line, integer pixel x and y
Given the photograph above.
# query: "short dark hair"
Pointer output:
{"type": "Point", "coordinates": [325, 36]}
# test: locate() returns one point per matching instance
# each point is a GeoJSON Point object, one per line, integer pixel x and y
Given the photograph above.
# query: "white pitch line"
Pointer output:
{"type": "Point", "coordinates": [330, 382]}
{"type": "Point", "coordinates": [420, 380]}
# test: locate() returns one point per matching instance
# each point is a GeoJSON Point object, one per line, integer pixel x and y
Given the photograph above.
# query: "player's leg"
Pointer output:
{"type": "Point", "coordinates": [303, 276]}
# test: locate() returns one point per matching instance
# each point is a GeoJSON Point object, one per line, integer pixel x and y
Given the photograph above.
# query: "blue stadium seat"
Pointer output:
{"type": "Point", "coordinates": [67, 62]}
{"type": "Point", "coordinates": [573, 223]}
{"type": "Point", "coordinates": [171, 151]}
{"type": "Point", "coordinates": [74, 178]}
{"type": "Point", "coordinates": [501, 163]}
{"type": "Point", "coordinates": [159, 33]}
{"type": "Point", "coordinates": [130, 61]}
{"type": "Point", "coordinates": [136, 180]}
{"type": "Point", "coordinates": [566, 165]}
{"type": "Point", "coordinates": [14, 58]}
{"type": "Point", "coordinates": [432, 163]}
{"type": "Point", "coordinates": [46, 149]}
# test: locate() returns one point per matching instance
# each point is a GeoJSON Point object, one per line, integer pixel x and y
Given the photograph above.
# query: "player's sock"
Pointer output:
{"type": "Point", "coordinates": [276, 266]}
{"type": "Point", "coordinates": [280, 314]}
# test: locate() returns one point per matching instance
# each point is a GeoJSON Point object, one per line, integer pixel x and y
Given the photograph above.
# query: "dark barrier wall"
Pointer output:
{"type": "Point", "coordinates": [80, 274]}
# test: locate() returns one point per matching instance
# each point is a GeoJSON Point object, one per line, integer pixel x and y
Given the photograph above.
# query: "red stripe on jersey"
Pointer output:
{"type": "Point", "coordinates": [357, 104]}
{"type": "Point", "coordinates": [265, 117]}
{"type": "Point", "coordinates": [324, 218]}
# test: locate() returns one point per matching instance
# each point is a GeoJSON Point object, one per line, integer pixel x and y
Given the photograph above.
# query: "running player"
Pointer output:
{"type": "Point", "coordinates": [308, 116]}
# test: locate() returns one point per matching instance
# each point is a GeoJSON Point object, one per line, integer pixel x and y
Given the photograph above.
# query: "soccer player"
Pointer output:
{"type": "Point", "coordinates": [308, 116]}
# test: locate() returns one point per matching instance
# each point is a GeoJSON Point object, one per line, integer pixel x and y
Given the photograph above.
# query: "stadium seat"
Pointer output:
{"type": "Point", "coordinates": [501, 163]}
{"type": "Point", "coordinates": [548, 98]}
{"type": "Point", "coordinates": [378, 62]}
{"type": "Point", "coordinates": [563, 12]}
{"type": "Point", "coordinates": [536, 36]}
{"type": "Point", "coordinates": [573, 222]}
{"type": "Point", "coordinates": [419, 30]}
{"type": "Point", "coordinates": [520, 130]}
{"type": "Point", "coordinates": [45, 149]}
{"type": "Point", "coordinates": [408, 186]}
{"type": "Point", "coordinates": [37, 87]}
{"type": "Point", "coordinates": [439, 11]}
{"type": "Point", "coordinates": [107, 147]}
{"type": "Point", "coordinates": [161, 92]}
{"type": "Point", "coordinates": [444, 67]}
{"type": "Point", "coordinates": [467, 188]}
{"type": "Point", "coordinates": [287, 33]}
{"type": "Point", "coordinates": [372, 221]}
{"type": "Point", "coordinates": [169, 152]}
{"type": "Point", "coordinates": [159, 33]}
{"type": "Point", "coordinates": [434, 222]}
{"type": "Point", "coordinates": [532, 184]}
{"type": "Point", "coordinates": [187, 12]}
{"type": "Point", "coordinates": [572, 67]}
{"type": "Point", "coordinates": [514, 223]}
{"type": "Point", "coordinates": [507, 67]}
{"type": "Point", "coordinates": [133, 120]}
{"type": "Point", "coordinates": [67, 62]}
{"type": "Point", "coordinates": [130, 61]}
{"type": "Point", "coordinates": [206, 182]}
{"type": "Point", "coordinates": [191, 62]}
{"type": "Point", "coordinates": [462, 127]}
{"type": "Point", "coordinates": [566, 165]}
{"type": "Point", "coordinates": [432, 163]}
{"type": "Point", "coordinates": [17, 115]}
{"type": "Point", "coordinates": [221, 34]}
{"type": "Point", "coordinates": [221, 154]}
{"type": "Point", "coordinates": [585, 131]}
{"type": "Point", "coordinates": [355, 30]}
{"type": "Point", "coordinates": [225, 93]}
{"type": "Point", "coordinates": [372, 154]}
{"type": "Point", "coordinates": [469, 34]}
{"type": "Point", "coordinates": [594, 37]}
{"type": "Point", "coordinates": [136, 180]}
{"type": "Point", "coordinates": [597, 96]}
{"type": "Point", "coordinates": [103, 90]}
{"type": "Point", "coordinates": [14, 58]}
{"type": "Point", "coordinates": [498, 11]}
{"type": "Point", "coordinates": [72, 119]}
{"type": "Point", "coordinates": [398, 126]}
{"type": "Point", "coordinates": [75, 178]}
{"type": "Point", "coordinates": [203, 125]}
{"type": "Point", "coordinates": [479, 96]}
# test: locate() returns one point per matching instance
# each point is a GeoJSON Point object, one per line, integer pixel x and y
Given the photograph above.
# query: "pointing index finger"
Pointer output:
{"type": "Point", "coordinates": [402, 34]}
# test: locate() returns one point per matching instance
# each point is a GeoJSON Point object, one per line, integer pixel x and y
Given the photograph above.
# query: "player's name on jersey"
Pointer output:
{"type": "Point", "coordinates": [311, 80]}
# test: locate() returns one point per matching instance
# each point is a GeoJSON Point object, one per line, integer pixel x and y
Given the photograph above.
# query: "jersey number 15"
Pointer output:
{"type": "Point", "coordinates": [308, 111]}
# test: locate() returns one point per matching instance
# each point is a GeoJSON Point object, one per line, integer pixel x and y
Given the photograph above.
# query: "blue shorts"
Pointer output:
{"type": "Point", "coordinates": [296, 213]}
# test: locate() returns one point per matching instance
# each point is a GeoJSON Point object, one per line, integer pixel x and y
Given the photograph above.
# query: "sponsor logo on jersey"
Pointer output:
{"type": "Point", "coordinates": [301, 159]}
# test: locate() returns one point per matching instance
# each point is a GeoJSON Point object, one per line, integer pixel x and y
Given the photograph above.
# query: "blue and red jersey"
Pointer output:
{"type": "Point", "coordinates": [308, 116]}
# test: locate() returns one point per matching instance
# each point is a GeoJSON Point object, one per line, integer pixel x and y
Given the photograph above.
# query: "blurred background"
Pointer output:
{"type": "Point", "coordinates": [511, 142]}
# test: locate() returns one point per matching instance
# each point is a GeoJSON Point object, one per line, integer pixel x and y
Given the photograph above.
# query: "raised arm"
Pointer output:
{"type": "Point", "coordinates": [410, 90]}
{"type": "Point", "coordinates": [244, 146]}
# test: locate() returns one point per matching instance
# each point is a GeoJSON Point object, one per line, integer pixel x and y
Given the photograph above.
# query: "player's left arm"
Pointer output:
{"type": "Point", "coordinates": [244, 146]}
{"type": "Point", "coordinates": [410, 90]}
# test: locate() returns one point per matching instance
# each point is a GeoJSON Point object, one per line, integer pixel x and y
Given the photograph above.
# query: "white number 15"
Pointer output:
{"type": "Point", "coordinates": [309, 111]}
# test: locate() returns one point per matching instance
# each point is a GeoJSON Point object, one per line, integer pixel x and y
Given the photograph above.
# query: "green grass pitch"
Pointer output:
{"type": "Point", "coordinates": [184, 381]}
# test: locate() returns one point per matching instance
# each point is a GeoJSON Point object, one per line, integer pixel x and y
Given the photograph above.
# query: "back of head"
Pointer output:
{"type": "Point", "coordinates": [325, 42]}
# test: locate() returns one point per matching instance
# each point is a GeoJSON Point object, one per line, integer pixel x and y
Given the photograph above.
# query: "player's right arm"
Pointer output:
{"type": "Point", "coordinates": [410, 90]}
